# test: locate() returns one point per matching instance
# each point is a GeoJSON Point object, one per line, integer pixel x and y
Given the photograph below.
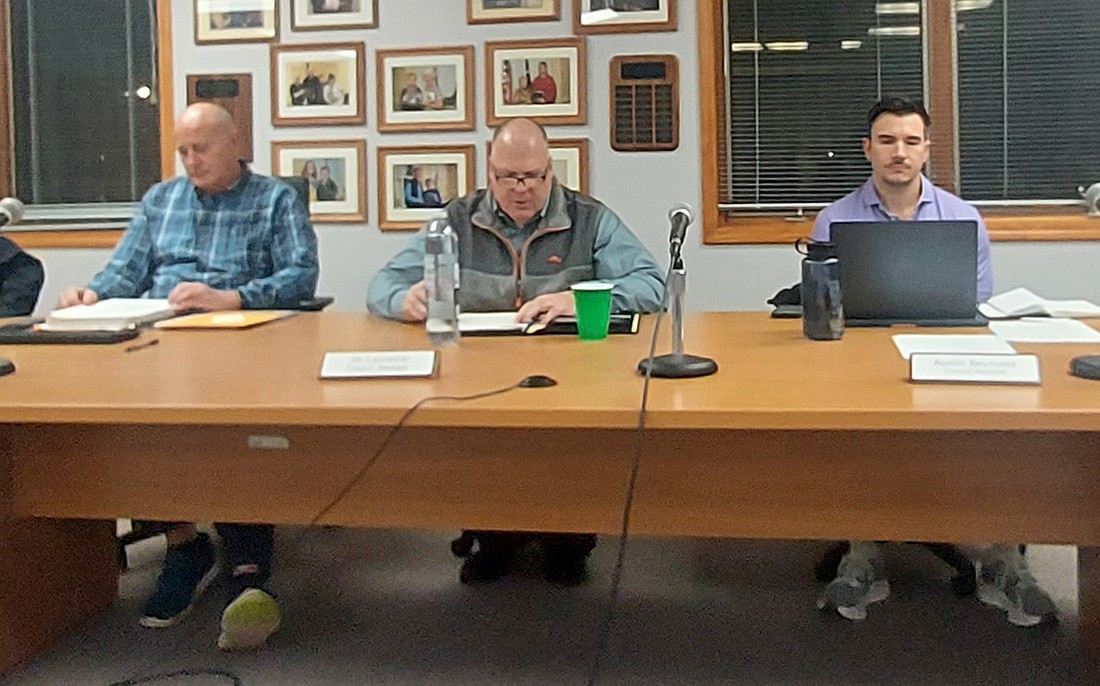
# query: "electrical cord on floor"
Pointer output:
{"type": "Point", "coordinates": [185, 673]}
{"type": "Point", "coordinates": [628, 501]}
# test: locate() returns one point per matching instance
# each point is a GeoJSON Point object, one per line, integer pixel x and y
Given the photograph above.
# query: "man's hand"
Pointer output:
{"type": "Point", "coordinates": [414, 308]}
{"type": "Point", "coordinates": [547, 307]}
{"type": "Point", "coordinates": [198, 296]}
{"type": "Point", "coordinates": [76, 296]}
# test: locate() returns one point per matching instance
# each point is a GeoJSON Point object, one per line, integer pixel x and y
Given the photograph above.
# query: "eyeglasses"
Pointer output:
{"type": "Point", "coordinates": [526, 180]}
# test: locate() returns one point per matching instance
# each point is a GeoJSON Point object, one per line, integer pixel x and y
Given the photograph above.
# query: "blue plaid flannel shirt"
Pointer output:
{"type": "Point", "coordinates": [255, 238]}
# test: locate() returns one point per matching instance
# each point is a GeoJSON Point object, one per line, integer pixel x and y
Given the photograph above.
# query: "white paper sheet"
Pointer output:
{"type": "Point", "coordinates": [489, 321]}
{"type": "Point", "coordinates": [1045, 330]}
{"type": "Point", "coordinates": [909, 343]}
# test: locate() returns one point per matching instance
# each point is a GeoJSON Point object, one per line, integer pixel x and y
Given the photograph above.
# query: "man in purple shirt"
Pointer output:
{"type": "Point", "coordinates": [897, 147]}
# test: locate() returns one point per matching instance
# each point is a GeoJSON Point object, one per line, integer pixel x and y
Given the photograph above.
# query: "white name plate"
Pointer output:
{"type": "Point", "coordinates": [959, 368]}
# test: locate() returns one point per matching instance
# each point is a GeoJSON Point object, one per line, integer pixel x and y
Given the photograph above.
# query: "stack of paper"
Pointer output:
{"type": "Point", "coordinates": [114, 314]}
{"type": "Point", "coordinates": [1020, 302]}
{"type": "Point", "coordinates": [954, 344]}
{"type": "Point", "coordinates": [1043, 330]}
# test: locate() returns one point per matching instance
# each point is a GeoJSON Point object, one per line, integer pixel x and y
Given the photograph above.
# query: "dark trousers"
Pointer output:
{"type": "Point", "coordinates": [245, 544]}
{"type": "Point", "coordinates": [554, 544]}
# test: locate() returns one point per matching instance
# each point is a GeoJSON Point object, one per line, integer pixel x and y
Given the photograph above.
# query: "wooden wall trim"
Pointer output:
{"type": "Point", "coordinates": [941, 93]}
{"type": "Point", "coordinates": [84, 238]}
{"type": "Point", "coordinates": [711, 96]}
{"type": "Point", "coordinates": [7, 142]}
{"type": "Point", "coordinates": [165, 90]}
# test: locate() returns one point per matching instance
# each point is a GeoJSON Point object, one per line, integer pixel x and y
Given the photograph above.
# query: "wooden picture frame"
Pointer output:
{"type": "Point", "coordinates": [236, 21]}
{"type": "Point", "coordinates": [425, 89]}
{"type": "Point", "coordinates": [301, 76]}
{"type": "Point", "coordinates": [499, 11]}
{"type": "Point", "coordinates": [232, 92]}
{"type": "Point", "coordinates": [336, 172]}
{"type": "Point", "coordinates": [569, 157]}
{"type": "Point", "coordinates": [543, 80]}
{"type": "Point", "coordinates": [345, 14]}
{"type": "Point", "coordinates": [407, 172]}
{"type": "Point", "coordinates": [623, 16]}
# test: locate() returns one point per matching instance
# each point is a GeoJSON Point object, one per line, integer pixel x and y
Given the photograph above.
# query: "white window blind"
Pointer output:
{"type": "Point", "coordinates": [1029, 98]}
{"type": "Point", "coordinates": [802, 75]}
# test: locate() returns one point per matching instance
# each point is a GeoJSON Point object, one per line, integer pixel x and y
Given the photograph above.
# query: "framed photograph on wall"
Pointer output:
{"type": "Point", "coordinates": [622, 16]}
{"type": "Point", "coordinates": [336, 172]}
{"type": "Point", "coordinates": [426, 89]}
{"type": "Point", "coordinates": [416, 182]}
{"type": "Point", "coordinates": [318, 84]}
{"type": "Point", "coordinates": [236, 21]}
{"type": "Point", "coordinates": [569, 158]}
{"type": "Point", "coordinates": [313, 15]}
{"type": "Point", "coordinates": [495, 11]}
{"type": "Point", "coordinates": [540, 79]}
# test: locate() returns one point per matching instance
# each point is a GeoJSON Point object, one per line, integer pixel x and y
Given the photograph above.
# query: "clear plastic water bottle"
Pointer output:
{"type": "Point", "coordinates": [822, 312]}
{"type": "Point", "coordinates": [441, 278]}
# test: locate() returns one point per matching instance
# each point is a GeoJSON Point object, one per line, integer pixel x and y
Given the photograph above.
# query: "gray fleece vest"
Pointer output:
{"type": "Point", "coordinates": [494, 276]}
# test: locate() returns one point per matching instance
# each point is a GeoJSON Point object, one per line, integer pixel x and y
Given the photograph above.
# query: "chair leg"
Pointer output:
{"type": "Point", "coordinates": [825, 570]}
{"type": "Point", "coordinates": [964, 583]}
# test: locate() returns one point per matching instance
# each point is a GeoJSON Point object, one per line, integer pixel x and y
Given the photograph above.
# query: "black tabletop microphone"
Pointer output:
{"type": "Point", "coordinates": [11, 211]}
{"type": "Point", "coordinates": [680, 217]}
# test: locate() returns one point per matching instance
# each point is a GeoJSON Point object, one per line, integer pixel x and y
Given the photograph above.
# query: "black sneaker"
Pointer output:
{"type": "Point", "coordinates": [487, 564]}
{"type": "Point", "coordinates": [188, 570]}
{"type": "Point", "coordinates": [567, 568]}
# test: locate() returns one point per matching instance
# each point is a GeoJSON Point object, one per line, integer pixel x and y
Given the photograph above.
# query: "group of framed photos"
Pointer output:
{"type": "Point", "coordinates": [418, 89]}
{"type": "Point", "coordinates": [235, 21]}
{"type": "Point", "coordinates": [414, 182]}
{"type": "Point", "coordinates": [422, 89]}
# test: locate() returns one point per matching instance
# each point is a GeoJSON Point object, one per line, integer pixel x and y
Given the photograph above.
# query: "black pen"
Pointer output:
{"type": "Point", "coordinates": [139, 346]}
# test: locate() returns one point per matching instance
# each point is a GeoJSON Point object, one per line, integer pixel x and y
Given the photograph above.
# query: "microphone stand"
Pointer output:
{"type": "Point", "coordinates": [677, 364]}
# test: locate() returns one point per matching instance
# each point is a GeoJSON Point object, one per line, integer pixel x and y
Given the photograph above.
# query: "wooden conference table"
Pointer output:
{"type": "Point", "coordinates": [792, 439]}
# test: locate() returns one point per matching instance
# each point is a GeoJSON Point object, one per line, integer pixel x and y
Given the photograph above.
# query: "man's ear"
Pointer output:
{"type": "Point", "coordinates": [867, 147]}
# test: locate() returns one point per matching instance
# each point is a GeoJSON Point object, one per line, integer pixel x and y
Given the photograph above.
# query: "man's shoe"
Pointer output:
{"type": "Point", "coordinates": [567, 569]}
{"type": "Point", "coordinates": [860, 581]}
{"type": "Point", "coordinates": [249, 620]}
{"type": "Point", "coordinates": [487, 564]}
{"type": "Point", "coordinates": [188, 570]}
{"type": "Point", "coordinates": [1007, 584]}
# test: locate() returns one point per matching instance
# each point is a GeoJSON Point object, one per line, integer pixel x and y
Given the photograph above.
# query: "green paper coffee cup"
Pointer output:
{"type": "Point", "coordinates": [593, 303]}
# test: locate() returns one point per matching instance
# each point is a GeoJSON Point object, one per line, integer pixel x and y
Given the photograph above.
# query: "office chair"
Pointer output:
{"type": "Point", "coordinates": [21, 279]}
{"type": "Point", "coordinates": [300, 186]}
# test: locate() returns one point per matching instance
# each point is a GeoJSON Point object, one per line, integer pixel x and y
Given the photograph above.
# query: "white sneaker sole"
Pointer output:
{"type": "Point", "coordinates": [880, 591]}
{"type": "Point", "coordinates": [995, 597]}
{"type": "Point", "coordinates": [158, 623]}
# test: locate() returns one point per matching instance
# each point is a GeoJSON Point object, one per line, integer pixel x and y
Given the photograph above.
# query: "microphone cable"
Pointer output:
{"type": "Point", "coordinates": [389, 438]}
{"type": "Point", "coordinates": [333, 502]}
{"type": "Point", "coordinates": [604, 635]}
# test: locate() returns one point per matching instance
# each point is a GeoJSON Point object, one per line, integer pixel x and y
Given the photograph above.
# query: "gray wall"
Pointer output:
{"type": "Point", "coordinates": [639, 186]}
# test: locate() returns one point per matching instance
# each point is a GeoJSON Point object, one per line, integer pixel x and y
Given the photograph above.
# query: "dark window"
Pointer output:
{"type": "Point", "coordinates": [84, 98]}
{"type": "Point", "coordinates": [802, 75]}
{"type": "Point", "coordinates": [1029, 97]}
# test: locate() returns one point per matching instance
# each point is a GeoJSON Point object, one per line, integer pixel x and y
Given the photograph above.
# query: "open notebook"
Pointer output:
{"type": "Point", "coordinates": [505, 324]}
{"type": "Point", "coordinates": [113, 314]}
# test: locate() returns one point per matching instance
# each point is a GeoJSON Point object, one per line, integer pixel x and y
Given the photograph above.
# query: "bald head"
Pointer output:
{"type": "Point", "coordinates": [520, 136]}
{"type": "Point", "coordinates": [520, 174]}
{"type": "Point", "coordinates": [206, 140]}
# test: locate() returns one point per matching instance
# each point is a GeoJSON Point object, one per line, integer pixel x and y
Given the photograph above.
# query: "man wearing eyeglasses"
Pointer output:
{"type": "Point", "coordinates": [522, 243]}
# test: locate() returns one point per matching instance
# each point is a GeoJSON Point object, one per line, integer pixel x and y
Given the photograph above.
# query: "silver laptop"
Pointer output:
{"type": "Point", "coordinates": [906, 272]}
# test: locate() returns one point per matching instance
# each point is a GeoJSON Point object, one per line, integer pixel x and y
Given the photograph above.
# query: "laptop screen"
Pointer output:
{"type": "Point", "coordinates": [906, 271]}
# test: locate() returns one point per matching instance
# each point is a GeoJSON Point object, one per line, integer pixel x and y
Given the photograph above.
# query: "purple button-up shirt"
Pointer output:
{"type": "Point", "coordinates": [935, 204]}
